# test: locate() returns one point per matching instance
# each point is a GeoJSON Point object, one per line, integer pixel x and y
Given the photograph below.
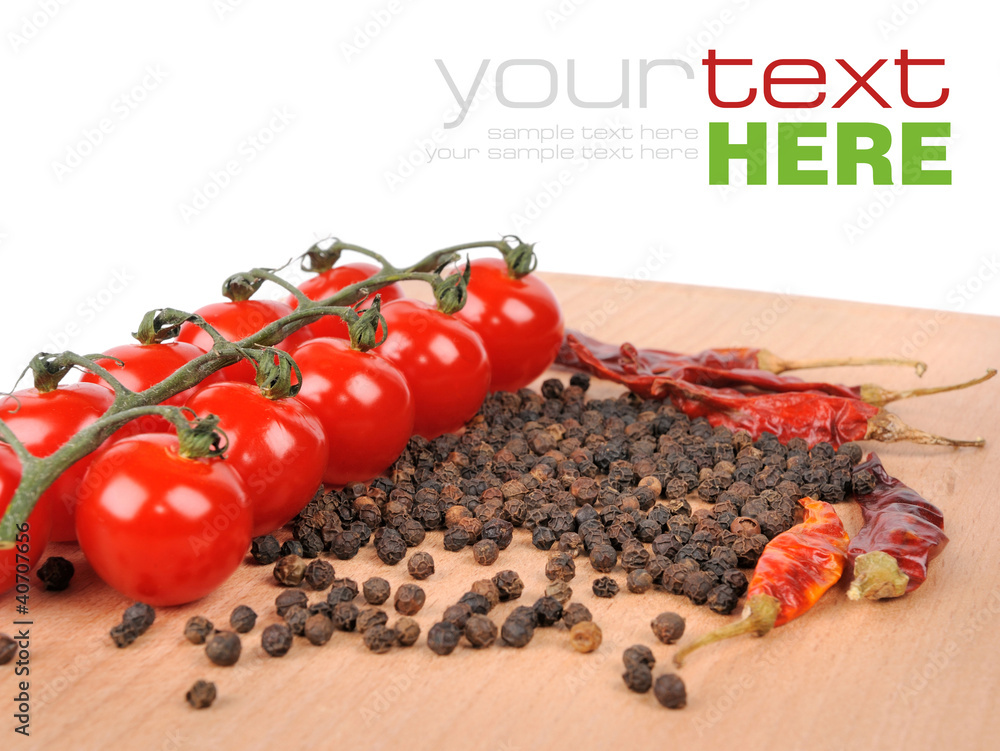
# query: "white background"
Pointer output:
{"type": "Point", "coordinates": [360, 87]}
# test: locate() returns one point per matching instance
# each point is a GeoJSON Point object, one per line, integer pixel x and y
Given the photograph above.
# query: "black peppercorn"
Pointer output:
{"type": "Point", "coordinates": [201, 694]}
{"type": "Point", "coordinates": [670, 692]}
{"type": "Point", "coordinates": [488, 590]}
{"type": "Point", "coordinates": [198, 629]}
{"type": "Point", "coordinates": [668, 627]}
{"type": "Point", "coordinates": [457, 614]}
{"type": "Point", "coordinates": [485, 552]}
{"type": "Point", "coordinates": [420, 565]}
{"type": "Point", "coordinates": [296, 617]}
{"type": "Point", "coordinates": [340, 594]}
{"type": "Point", "coordinates": [56, 573]}
{"type": "Point", "coordinates": [379, 638]}
{"type": "Point", "coordinates": [276, 639]}
{"type": "Point", "coordinates": [345, 544]}
{"type": "Point", "coordinates": [560, 567]}
{"type": "Point", "coordinates": [456, 538]}
{"type": "Point", "coordinates": [289, 599]}
{"type": "Point", "coordinates": [698, 585]}
{"type": "Point", "coordinates": [224, 648]}
{"type": "Point", "coordinates": [123, 634]}
{"type": "Point", "coordinates": [368, 617]}
{"type": "Point", "coordinates": [561, 591]}
{"type": "Point", "coordinates": [376, 590]}
{"type": "Point", "coordinates": [265, 549]}
{"type": "Point", "coordinates": [409, 599]}
{"type": "Point", "coordinates": [576, 612]}
{"type": "Point", "coordinates": [318, 629]}
{"type": "Point", "coordinates": [638, 677]}
{"type": "Point", "coordinates": [500, 531]}
{"type": "Point", "coordinates": [481, 631]}
{"type": "Point", "coordinates": [291, 547]}
{"type": "Point", "coordinates": [585, 636]}
{"type": "Point", "coordinates": [509, 585]}
{"type": "Point", "coordinates": [442, 638]}
{"type": "Point", "coordinates": [639, 581]}
{"type": "Point", "coordinates": [289, 570]}
{"type": "Point", "coordinates": [517, 632]}
{"type": "Point", "coordinates": [543, 538]}
{"type": "Point", "coordinates": [639, 654]}
{"type": "Point", "coordinates": [407, 631]}
{"type": "Point", "coordinates": [318, 574]}
{"type": "Point", "coordinates": [723, 599]}
{"type": "Point", "coordinates": [139, 616]}
{"type": "Point", "coordinates": [605, 586]}
{"type": "Point", "coordinates": [344, 616]}
{"type": "Point", "coordinates": [548, 611]}
{"type": "Point", "coordinates": [603, 558]}
{"type": "Point", "coordinates": [735, 579]}
{"type": "Point", "coordinates": [243, 619]}
{"type": "Point", "coordinates": [389, 546]}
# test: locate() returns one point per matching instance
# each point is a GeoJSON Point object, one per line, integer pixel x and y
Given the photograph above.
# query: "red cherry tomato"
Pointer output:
{"type": "Point", "coordinates": [159, 527]}
{"type": "Point", "coordinates": [444, 363]}
{"type": "Point", "coordinates": [519, 320]}
{"type": "Point", "coordinates": [364, 404]}
{"type": "Point", "coordinates": [146, 365]}
{"type": "Point", "coordinates": [332, 281]}
{"type": "Point", "coordinates": [278, 447]}
{"type": "Point", "coordinates": [31, 541]}
{"type": "Point", "coordinates": [43, 423]}
{"type": "Point", "coordinates": [238, 320]}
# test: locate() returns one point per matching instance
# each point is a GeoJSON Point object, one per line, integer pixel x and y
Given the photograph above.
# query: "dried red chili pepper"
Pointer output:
{"type": "Point", "coordinates": [902, 532]}
{"type": "Point", "coordinates": [807, 415]}
{"type": "Point", "coordinates": [793, 572]}
{"type": "Point", "coordinates": [747, 368]}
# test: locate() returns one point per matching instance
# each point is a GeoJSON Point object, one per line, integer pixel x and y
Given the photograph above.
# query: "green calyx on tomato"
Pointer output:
{"type": "Point", "coordinates": [519, 256]}
{"type": "Point", "coordinates": [368, 330]}
{"type": "Point", "coordinates": [452, 291]}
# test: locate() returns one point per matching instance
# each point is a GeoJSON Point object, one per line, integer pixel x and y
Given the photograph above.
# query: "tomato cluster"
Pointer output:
{"type": "Point", "coordinates": [166, 523]}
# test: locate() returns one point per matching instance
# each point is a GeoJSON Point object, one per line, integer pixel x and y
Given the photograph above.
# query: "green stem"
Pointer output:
{"type": "Point", "coordinates": [38, 473]}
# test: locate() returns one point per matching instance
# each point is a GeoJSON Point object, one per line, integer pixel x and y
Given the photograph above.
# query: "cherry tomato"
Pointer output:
{"type": "Point", "coordinates": [278, 447]}
{"type": "Point", "coordinates": [146, 365]}
{"type": "Point", "coordinates": [364, 404]}
{"type": "Point", "coordinates": [236, 320]}
{"type": "Point", "coordinates": [44, 422]}
{"type": "Point", "coordinates": [332, 281]}
{"type": "Point", "coordinates": [444, 363]}
{"type": "Point", "coordinates": [159, 527]}
{"type": "Point", "coordinates": [519, 320]}
{"type": "Point", "coordinates": [31, 541]}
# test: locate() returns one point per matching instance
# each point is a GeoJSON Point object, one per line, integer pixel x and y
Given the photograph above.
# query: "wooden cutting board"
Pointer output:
{"type": "Point", "coordinates": [919, 672]}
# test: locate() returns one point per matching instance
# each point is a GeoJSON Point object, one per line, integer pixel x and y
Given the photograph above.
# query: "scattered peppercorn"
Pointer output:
{"type": "Point", "coordinates": [488, 590]}
{"type": "Point", "coordinates": [409, 599]}
{"type": "Point", "coordinates": [276, 639]}
{"type": "Point", "coordinates": [481, 631]}
{"type": "Point", "coordinates": [442, 638]}
{"type": "Point", "coordinates": [517, 632]}
{"type": "Point", "coordinates": [243, 619]}
{"type": "Point", "coordinates": [548, 611]}
{"type": "Point", "coordinates": [376, 590]}
{"type": "Point", "coordinates": [296, 617]}
{"type": "Point", "coordinates": [289, 570]}
{"type": "Point", "coordinates": [224, 648]}
{"type": "Point", "coordinates": [485, 552]}
{"type": "Point", "coordinates": [368, 617]}
{"type": "Point", "coordinates": [641, 654]}
{"type": "Point", "coordinates": [139, 616]}
{"type": "Point", "coordinates": [638, 677]}
{"type": "Point", "coordinates": [509, 585]}
{"type": "Point", "coordinates": [201, 694]}
{"type": "Point", "coordinates": [605, 586]}
{"type": "Point", "coordinates": [289, 599]}
{"type": "Point", "coordinates": [670, 692]}
{"type": "Point", "coordinates": [668, 627]}
{"type": "Point", "coordinates": [292, 547]}
{"type": "Point", "coordinates": [456, 538]}
{"type": "Point", "coordinates": [379, 638]}
{"type": "Point", "coordinates": [198, 629]}
{"type": "Point", "coordinates": [123, 634]}
{"type": "Point", "coordinates": [603, 557]}
{"type": "Point", "coordinates": [639, 581]}
{"type": "Point", "coordinates": [265, 549]}
{"type": "Point", "coordinates": [344, 616]}
{"type": "Point", "coordinates": [560, 567]}
{"type": "Point", "coordinates": [56, 573]}
{"type": "Point", "coordinates": [576, 612]}
{"type": "Point", "coordinates": [318, 629]}
{"type": "Point", "coordinates": [585, 636]}
{"type": "Point", "coordinates": [319, 574]}
{"type": "Point", "coordinates": [389, 546]}
{"type": "Point", "coordinates": [420, 565]}
{"type": "Point", "coordinates": [407, 631]}
{"type": "Point", "coordinates": [340, 594]}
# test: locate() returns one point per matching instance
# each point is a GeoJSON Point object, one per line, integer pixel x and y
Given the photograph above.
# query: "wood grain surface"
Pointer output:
{"type": "Point", "coordinates": [921, 672]}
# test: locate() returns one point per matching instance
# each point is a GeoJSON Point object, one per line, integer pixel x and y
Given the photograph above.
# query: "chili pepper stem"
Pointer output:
{"type": "Point", "coordinates": [762, 611]}
{"type": "Point", "coordinates": [876, 577]}
{"type": "Point", "coordinates": [767, 360]}
{"type": "Point", "coordinates": [889, 428]}
{"type": "Point", "coordinates": [880, 397]}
